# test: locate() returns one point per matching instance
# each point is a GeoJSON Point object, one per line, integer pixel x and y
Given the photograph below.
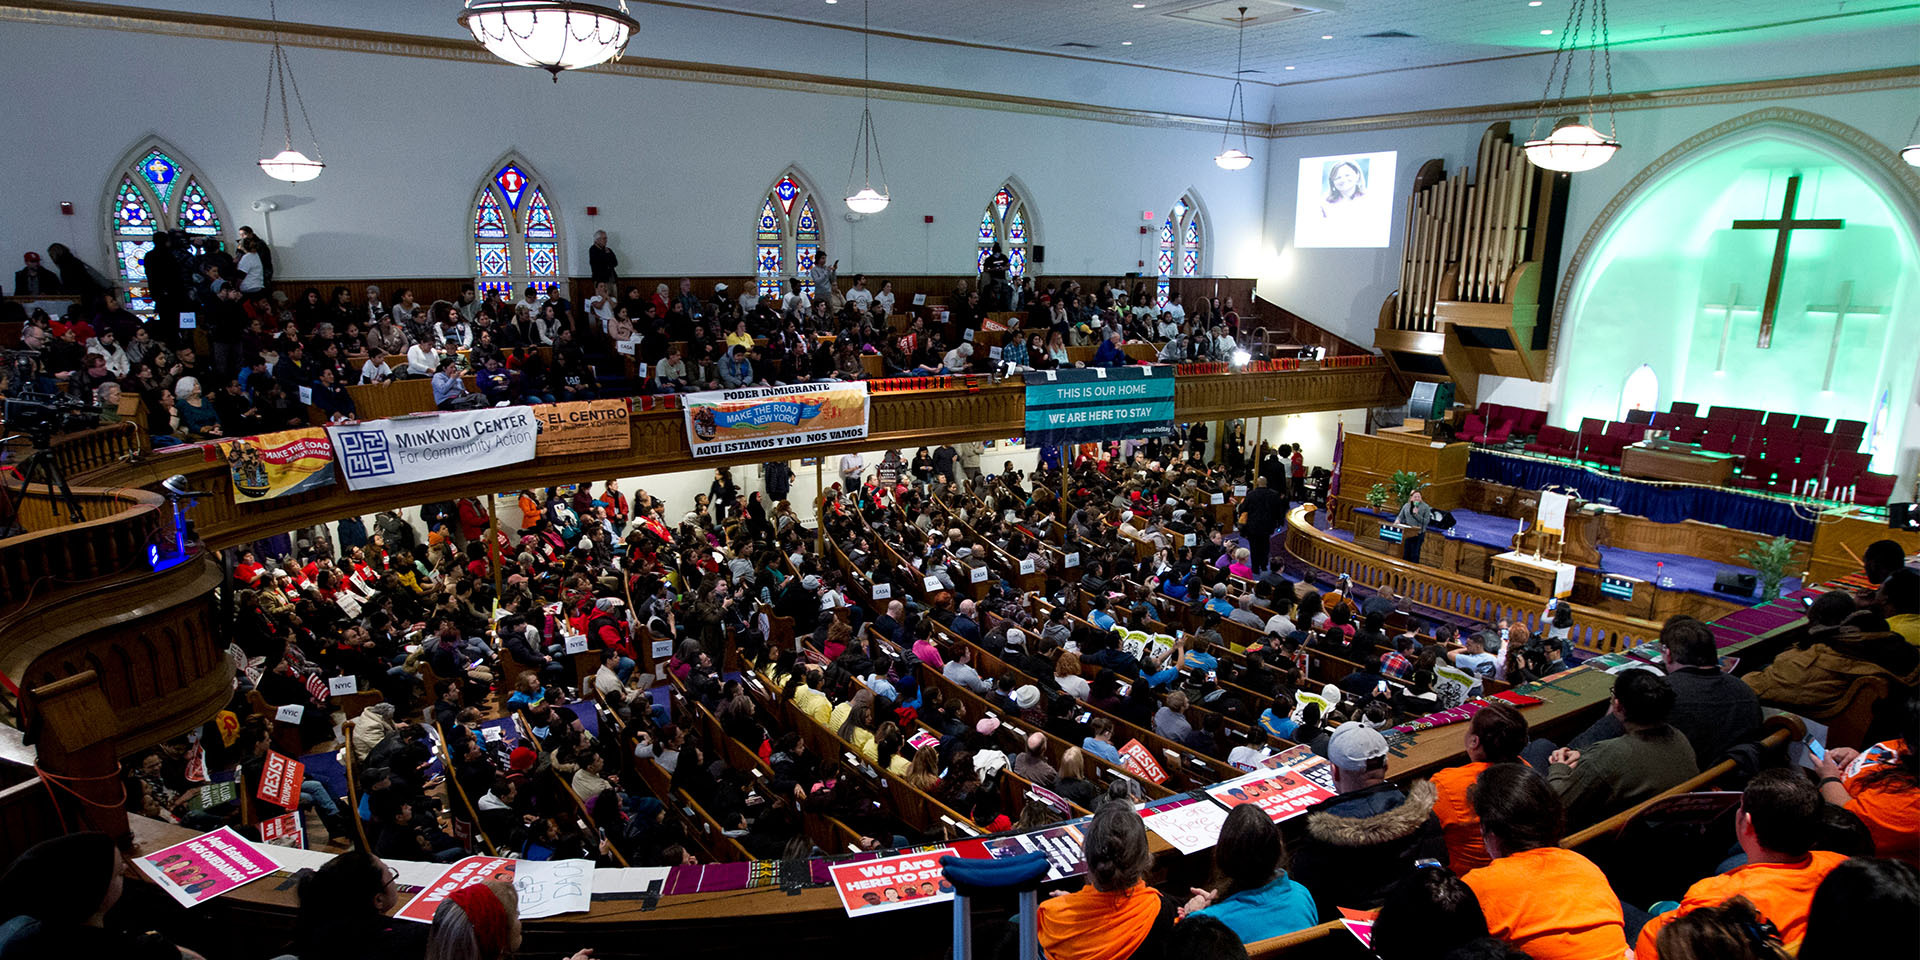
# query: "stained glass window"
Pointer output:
{"type": "Point", "coordinates": [787, 235]}
{"type": "Point", "coordinates": [158, 190]}
{"type": "Point", "coordinates": [132, 217]}
{"type": "Point", "coordinates": [539, 216]}
{"type": "Point", "coordinates": [1005, 222]}
{"type": "Point", "coordinates": [197, 215]}
{"type": "Point", "coordinates": [1180, 233]}
{"type": "Point", "coordinates": [516, 235]}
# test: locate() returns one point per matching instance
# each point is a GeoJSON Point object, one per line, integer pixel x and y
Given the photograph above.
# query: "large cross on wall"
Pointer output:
{"type": "Point", "coordinates": [1783, 235]}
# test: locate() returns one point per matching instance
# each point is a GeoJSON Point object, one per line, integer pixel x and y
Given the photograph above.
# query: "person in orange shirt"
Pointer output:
{"type": "Point", "coordinates": [1550, 903]}
{"type": "Point", "coordinates": [1496, 734]}
{"type": "Point", "coordinates": [1116, 915]}
{"type": "Point", "coordinates": [1778, 821]}
{"type": "Point", "coordinates": [1881, 786]}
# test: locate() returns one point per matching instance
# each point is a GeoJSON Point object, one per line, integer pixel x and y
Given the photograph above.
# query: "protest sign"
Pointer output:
{"type": "Point", "coordinates": [280, 780]}
{"type": "Point", "coordinates": [1060, 842]}
{"type": "Point", "coordinates": [343, 686]}
{"type": "Point", "coordinates": [581, 427]}
{"type": "Point", "coordinates": [868, 887]}
{"type": "Point", "coordinates": [197, 870]}
{"type": "Point", "coordinates": [1280, 794]}
{"type": "Point", "coordinates": [775, 418]}
{"type": "Point", "coordinates": [1190, 827]}
{"type": "Point", "coordinates": [285, 830]}
{"type": "Point", "coordinates": [462, 873]}
{"type": "Point", "coordinates": [1139, 760]}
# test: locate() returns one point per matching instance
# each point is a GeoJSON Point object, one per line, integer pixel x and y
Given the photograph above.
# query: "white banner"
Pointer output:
{"type": "Point", "coordinates": [387, 453]}
{"type": "Point", "coordinates": [1553, 511]}
{"type": "Point", "coordinates": [775, 418]}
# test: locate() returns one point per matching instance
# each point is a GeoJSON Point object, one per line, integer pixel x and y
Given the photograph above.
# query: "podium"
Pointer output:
{"type": "Point", "coordinates": [1372, 458]}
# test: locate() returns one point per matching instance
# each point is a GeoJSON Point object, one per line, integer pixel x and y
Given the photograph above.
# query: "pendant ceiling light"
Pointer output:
{"type": "Point", "coordinates": [1911, 152]}
{"type": "Point", "coordinates": [866, 143]}
{"type": "Point", "coordinates": [1236, 158]}
{"type": "Point", "coordinates": [289, 164]}
{"type": "Point", "coordinates": [553, 35]}
{"type": "Point", "coordinates": [1575, 144]}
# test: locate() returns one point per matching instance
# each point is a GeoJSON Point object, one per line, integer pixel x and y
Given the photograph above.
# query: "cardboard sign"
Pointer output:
{"type": "Point", "coordinates": [1140, 761]}
{"type": "Point", "coordinates": [977, 575]}
{"type": "Point", "coordinates": [291, 713]}
{"type": "Point", "coordinates": [577, 643]}
{"type": "Point", "coordinates": [1073, 559]}
{"type": "Point", "coordinates": [1026, 566]}
{"type": "Point", "coordinates": [462, 873]}
{"type": "Point", "coordinates": [883, 591]}
{"type": "Point", "coordinates": [285, 830]}
{"type": "Point", "coordinates": [343, 686]}
{"type": "Point", "coordinates": [931, 585]}
{"type": "Point", "coordinates": [1190, 827]}
{"type": "Point", "coordinates": [280, 780]}
{"type": "Point", "coordinates": [869, 887]}
{"type": "Point", "coordinates": [197, 870]}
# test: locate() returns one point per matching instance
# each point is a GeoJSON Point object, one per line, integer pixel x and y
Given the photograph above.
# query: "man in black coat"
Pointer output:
{"type": "Point", "coordinates": [34, 279]}
{"type": "Point", "coordinates": [601, 259]}
{"type": "Point", "coordinates": [1260, 514]}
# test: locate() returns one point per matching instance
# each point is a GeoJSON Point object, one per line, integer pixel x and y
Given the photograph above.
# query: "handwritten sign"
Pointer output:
{"type": "Point", "coordinates": [1190, 827]}
{"type": "Point", "coordinates": [869, 887]}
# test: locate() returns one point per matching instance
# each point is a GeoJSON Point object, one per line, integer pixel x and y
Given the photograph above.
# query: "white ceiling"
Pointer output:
{"type": "Point", "coordinates": [1198, 35]}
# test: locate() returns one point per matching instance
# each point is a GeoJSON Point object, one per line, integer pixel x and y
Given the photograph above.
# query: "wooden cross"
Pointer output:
{"type": "Point", "coordinates": [1841, 311]}
{"type": "Point", "coordinates": [1783, 234]}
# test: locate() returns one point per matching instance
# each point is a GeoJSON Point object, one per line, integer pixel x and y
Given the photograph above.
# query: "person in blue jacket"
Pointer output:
{"type": "Point", "coordinates": [1254, 897]}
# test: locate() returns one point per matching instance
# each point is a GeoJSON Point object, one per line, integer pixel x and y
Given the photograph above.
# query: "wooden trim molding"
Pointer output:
{"type": "Point", "coordinates": [102, 16]}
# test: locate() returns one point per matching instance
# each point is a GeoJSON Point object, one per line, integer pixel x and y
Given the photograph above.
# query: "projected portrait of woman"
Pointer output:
{"type": "Point", "coordinates": [1344, 201]}
{"type": "Point", "coordinates": [1346, 185]}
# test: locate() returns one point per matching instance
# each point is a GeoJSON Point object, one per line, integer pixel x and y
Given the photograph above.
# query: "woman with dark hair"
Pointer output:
{"type": "Point", "coordinates": [1732, 931]}
{"type": "Point", "coordinates": [343, 913]}
{"type": "Point", "coordinates": [1426, 914]}
{"type": "Point", "coordinates": [1881, 785]}
{"type": "Point", "coordinates": [1547, 900]}
{"type": "Point", "coordinates": [1254, 895]}
{"type": "Point", "coordinates": [1852, 909]}
{"type": "Point", "coordinates": [1116, 915]}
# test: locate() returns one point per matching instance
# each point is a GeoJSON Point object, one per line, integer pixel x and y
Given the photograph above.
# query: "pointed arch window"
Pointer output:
{"type": "Point", "coordinates": [1641, 391]}
{"type": "Point", "coordinates": [156, 191]}
{"type": "Point", "coordinates": [1007, 223]}
{"type": "Point", "coordinates": [787, 236]}
{"type": "Point", "coordinates": [516, 235]}
{"type": "Point", "coordinates": [1182, 245]}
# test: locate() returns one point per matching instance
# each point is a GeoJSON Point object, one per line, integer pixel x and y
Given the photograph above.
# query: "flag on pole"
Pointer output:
{"type": "Point", "coordinates": [1339, 450]}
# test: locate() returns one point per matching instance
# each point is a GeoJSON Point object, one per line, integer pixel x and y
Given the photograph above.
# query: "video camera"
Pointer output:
{"type": "Point", "coordinates": [41, 415]}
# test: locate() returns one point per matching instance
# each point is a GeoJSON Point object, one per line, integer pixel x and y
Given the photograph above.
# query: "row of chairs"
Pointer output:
{"type": "Point", "coordinates": [1496, 423]}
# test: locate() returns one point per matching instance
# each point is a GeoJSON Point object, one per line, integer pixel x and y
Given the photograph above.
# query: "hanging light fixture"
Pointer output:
{"type": "Point", "coordinates": [289, 164]}
{"type": "Point", "coordinates": [1911, 152]}
{"type": "Point", "coordinates": [1574, 144]}
{"type": "Point", "coordinates": [866, 143]}
{"type": "Point", "coordinates": [553, 35]}
{"type": "Point", "coordinates": [1236, 158]}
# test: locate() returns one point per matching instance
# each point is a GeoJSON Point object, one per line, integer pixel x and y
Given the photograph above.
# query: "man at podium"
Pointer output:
{"type": "Point", "coordinates": [1414, 516]}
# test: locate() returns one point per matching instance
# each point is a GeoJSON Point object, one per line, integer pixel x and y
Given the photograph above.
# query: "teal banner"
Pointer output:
{"type": "Point", "coordinates": [1097, 404]}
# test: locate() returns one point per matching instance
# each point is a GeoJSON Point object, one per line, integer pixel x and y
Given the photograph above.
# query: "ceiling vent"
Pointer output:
{"type": "Point", "coordinates": [1260, 13]}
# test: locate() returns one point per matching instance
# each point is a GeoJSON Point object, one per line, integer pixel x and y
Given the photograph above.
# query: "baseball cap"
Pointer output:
{"type": "Point", "coordinates": [32, 257]}
{"type": "Point", "coordinates": [1354, 745]}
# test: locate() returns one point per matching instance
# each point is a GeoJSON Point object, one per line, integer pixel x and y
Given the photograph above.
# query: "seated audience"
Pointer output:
{"type": "Point", "coordinates": [1550, 902]}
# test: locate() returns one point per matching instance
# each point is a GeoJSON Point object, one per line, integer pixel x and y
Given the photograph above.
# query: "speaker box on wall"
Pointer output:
{"type": "Point", "coordinates": [1039, 253]}
{"type": "Point", "coordinates": [1739, 584]}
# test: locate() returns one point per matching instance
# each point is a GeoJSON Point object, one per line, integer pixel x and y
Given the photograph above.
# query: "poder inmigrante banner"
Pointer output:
{"type": "Point", "coordinates": [775, 418]}
{"type": "Point", "coordinates": [387, 453]}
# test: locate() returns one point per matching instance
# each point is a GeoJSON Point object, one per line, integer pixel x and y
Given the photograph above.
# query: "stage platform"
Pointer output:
{"type": "Point", "coordinates": [1690, 574]}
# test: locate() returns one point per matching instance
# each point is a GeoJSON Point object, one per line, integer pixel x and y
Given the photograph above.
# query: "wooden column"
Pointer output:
{"type": "Point", "coordinates": [73, 726]}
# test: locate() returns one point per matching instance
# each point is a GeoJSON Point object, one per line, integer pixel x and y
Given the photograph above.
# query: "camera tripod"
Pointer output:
{"type": "Point", "coordinates": [40, 466]}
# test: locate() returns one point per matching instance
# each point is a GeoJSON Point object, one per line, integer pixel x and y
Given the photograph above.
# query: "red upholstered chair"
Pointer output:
{"type": "Point", "coordinates": [1499, 433]}
{"type": "Point", "coordinates": [1777, 419]}
{"type": "Point", "coordinates": [1664, 421]}
{"type": "Point", "coordinates": [1811, 424]}
{"type": "Point", "coordinates": [1686, 409]}
{"type": "Point", "coordinates": [1639, 416]}
{"type": "Point", "coordinates": [1554, 441]}
{"type": "Point", "coordinates": [1873, 489]}
{"type": "Point", "coordinates": [1530, 422]}
{"type": "Point", "coordinates": [1473, 429]}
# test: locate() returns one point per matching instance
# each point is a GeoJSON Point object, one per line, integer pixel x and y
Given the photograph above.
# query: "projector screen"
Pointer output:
{"type": "Point", "coordinates": [1345, 201]}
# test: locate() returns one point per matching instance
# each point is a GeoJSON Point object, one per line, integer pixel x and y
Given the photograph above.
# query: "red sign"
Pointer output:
{"type": "Point", "coordinates": [1279, 795]}
{"type": "Point", "coordinates": [464, 873]}
{"type": "Point", "coordinates": [1139, 761]}
{"type": "Point", "coordinates": [280, 781]}
{"type": "Point", "coordinates": [892, 883]}
{"type": "Point", "coordinates": [285, 830]}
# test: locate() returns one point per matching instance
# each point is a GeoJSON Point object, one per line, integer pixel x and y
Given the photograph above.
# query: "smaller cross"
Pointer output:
{"type": "Point", "coordinates": [1727, 310]}
{"type": "Point", "coordinates": [1841, 311]}
{"type": "Point", "coordinates": [1783, 235]}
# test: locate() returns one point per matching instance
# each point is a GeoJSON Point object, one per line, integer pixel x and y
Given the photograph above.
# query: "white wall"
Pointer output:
{"type": "Point", "coordinates": [677, 169]}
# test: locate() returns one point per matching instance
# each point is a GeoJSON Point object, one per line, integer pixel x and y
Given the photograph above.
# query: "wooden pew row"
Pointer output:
{"type": "Point", "coordinates": [566, 789]}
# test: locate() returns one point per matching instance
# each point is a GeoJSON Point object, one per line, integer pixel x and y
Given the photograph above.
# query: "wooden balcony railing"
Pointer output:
{"type": "Point", "coordinates": [119, 524]}
{"type": "Point", "coordinates": [944, 409]}
{"type": "Point", "coordinates": [1594, 631]}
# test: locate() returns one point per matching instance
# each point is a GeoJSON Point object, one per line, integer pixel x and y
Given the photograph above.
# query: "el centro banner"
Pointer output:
{"type": "Point", "coordinates": [775, 418]}
{"type": "Point", "coordinates": [279, 464]}
{"type": "Point", "coordinates": [388, 453]}
{"type": "Point", "coordinates": [582, 427]}
{"type": "Point", "coordinates": [197, 870]}
{"type": "Point", "coordinates": [1098, 404]}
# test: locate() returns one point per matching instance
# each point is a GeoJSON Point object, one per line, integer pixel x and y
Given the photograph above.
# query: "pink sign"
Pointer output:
{"type": "Point", "coordinates": [197, 870]}
{"type": "Point", "coordinates": [463, 873]}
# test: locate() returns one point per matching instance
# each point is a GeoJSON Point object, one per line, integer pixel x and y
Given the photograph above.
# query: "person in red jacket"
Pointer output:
{"type": "Point", "coordinates": [607, 629]}
{"type": "Point", "coordinates": [474, 520]}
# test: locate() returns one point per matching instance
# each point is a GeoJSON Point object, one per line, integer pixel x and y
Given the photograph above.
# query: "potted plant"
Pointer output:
{"type": "Point", "coordinates": [1405, 482]}
{"type": "Point", "coordinates": [1769, 559]}
{"type": "Point", "coordinates": [1378, 495]}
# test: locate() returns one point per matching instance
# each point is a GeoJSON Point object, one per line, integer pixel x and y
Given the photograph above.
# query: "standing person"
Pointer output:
{"type": "Point", "coordinates": [1550, 902]}
{"type": "Point", "coordinates": [852, 467]}
{"type": "Point", "coordinates": [779, 475]}
{"type": "Point", "coordinates": [1260, 514]}
{"type": "Point", "coordinates": [79, 278]}
{"type": "Point", "coordinates": [970, 460]}
{"type": "Point", "coordinates": [601, 259]}
{"type": "Point", "coordinates": [34, 280]}
{"type": "Point", "coordinates": [1414, 515]}
{"type": "Point", "coordinates": [1559, 619]}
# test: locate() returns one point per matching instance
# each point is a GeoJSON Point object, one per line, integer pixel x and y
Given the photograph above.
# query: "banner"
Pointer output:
{"type": "Point", "coordinates": [1097, 404]}
{"type": "Point", "coordinates": [279, 464]}
{"type": "Point", "coordinates": [546, 887]}
{"type": "Point", "coordinates": [868, 887]}
{"type": "Point", "coordinates": [280, 780]}
{"type": "Point", "coordinates": [775, 418]}
{"type": "Point", "coordinates": [1298, 780]}
{"type": "Point", "coordinates": [197, 870]}
{"type": "Point", "coordinates": [1552, 516]}
{"type": "Point", "coordinates": [387, 453]}
{"type": "Point", "coordinates": [583, 427]}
